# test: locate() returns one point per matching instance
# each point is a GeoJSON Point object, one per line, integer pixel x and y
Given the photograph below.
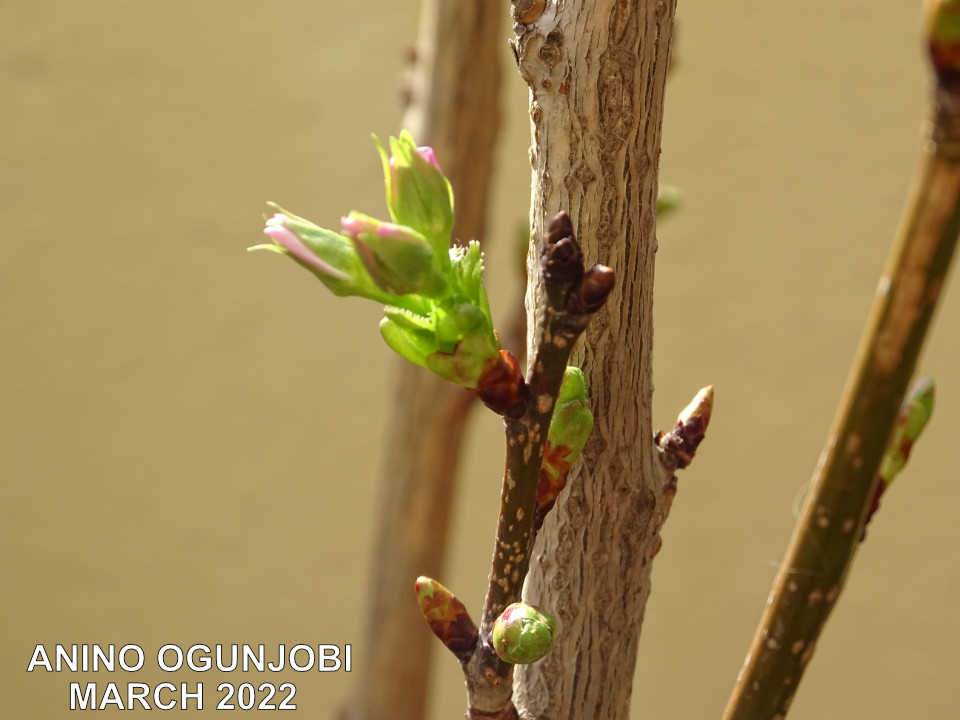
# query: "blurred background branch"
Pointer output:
{"type": "Point", "coordinates": [452, 91]}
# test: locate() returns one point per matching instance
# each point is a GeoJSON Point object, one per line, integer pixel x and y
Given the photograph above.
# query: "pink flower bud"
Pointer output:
{"type": "Point", "coordinates": [398, 258]}
{"type": "Point", "coordinates": [285, 238]}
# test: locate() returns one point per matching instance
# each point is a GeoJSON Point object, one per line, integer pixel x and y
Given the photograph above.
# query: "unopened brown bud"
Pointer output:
{"type": "Point", "coordinates": [561, 261]}
{"type": "Point", "coordinates": [594, 289]}
{"type": "Point", "coordinates": [560, 226]}
{"type": "Point", "coordinates": [680, 444]}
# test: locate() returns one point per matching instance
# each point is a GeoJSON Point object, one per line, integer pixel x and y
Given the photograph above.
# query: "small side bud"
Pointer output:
{"type": "Point", "coordinates": [447, 617]}
{"type": "Point", "coordinates": [561, 260]}
{"type": "Point", "coordinates": [679, 445]}
{"type": "Point", "coordinates": [594, 289]}
{"type": "Point", "coordinates": [912, 419]}
{"type": "Point", "coordinates": [523, 634]}
{"type": "Point", "coordinates": [669, 199]}
{"type": "Point", "coordinates": [570, 428]}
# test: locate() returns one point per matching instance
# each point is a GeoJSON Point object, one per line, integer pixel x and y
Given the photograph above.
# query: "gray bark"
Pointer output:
{"type": "Point", "coordinates": [596, 72]}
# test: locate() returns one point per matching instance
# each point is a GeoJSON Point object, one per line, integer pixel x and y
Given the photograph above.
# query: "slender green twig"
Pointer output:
{"type": "Point", "coordinates": [827, 534]}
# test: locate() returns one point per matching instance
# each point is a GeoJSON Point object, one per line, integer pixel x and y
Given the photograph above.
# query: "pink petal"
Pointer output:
{"type": "Point", "coordinates": [353, 226]}
{"type": "Point", "coordinates": [286, 239]}
{"type": "Point", "coordinates": [426, 152]}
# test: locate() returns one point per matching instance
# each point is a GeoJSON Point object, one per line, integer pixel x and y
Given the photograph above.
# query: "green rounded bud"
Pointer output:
{"type": "Point", "coordinates": [669, 198]}
{"type": "Point", "coordinates": [522, 634]}
{"type": "Point", "coordinates": [572, 420]}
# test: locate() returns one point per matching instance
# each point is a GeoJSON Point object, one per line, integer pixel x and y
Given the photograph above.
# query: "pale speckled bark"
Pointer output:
{"type": "Point", "coordinates": [453, 92]}
{"type": "Point", "coordinates": [597, 72]}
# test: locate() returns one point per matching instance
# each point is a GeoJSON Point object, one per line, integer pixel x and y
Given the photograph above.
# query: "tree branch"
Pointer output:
{"type": "Point", "coordinates": [453, 91]}
{"type": "Point", "coordinates": [572, 297]}
{"type": "Point", "coordinates": [814, 570]}
{"type": "Point", "coordinates": [597, 72]}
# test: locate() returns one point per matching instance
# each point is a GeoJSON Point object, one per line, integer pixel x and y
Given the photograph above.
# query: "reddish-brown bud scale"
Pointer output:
{"type": "Point", "coordinates": [551, 484]}
{"type": "Point", "coordinates": [594, 289]}
{"type": "Point", "coordinates": [561, 260]}
{"type": "Point", "coordinates": [560, 226]}
{"type": "Point", "coordinates": [501, 387]}
{"type": "Point", "coordinates": [680, 444]}
{"type": "Point", "coordinates": [447, 617]}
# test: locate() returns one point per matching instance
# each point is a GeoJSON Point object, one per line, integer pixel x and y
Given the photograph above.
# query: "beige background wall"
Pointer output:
{"type": "Point", "coordinates": [189, 434]}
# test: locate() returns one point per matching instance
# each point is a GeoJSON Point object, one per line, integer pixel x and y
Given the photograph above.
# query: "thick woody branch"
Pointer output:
{"type": "Point", "coordinates": [814, 570]}
{"type": "Point", "coordinates": [597, 72]}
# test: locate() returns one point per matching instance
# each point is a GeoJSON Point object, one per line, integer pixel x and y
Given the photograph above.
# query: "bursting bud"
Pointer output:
{"type": "Point", "coordinates": [418, 193]}
{"type": "Point", "coordinates": [437, 314]}
{"type": "Point", "coordinates": [522, 634]}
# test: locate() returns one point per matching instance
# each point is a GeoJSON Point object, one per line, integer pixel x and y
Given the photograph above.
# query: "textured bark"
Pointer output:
{"type": "Point", "coordinates": [453, 94]}
{"type": "Point", "coordinates": [596, 72]}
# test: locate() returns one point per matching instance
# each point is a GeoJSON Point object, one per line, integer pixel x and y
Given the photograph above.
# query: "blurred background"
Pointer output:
{"type": "Point", "coordinates": [189, 434]}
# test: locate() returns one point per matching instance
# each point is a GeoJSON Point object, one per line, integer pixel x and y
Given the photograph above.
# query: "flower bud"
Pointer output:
{"type": "Point", "coordinates": [522, 634]}
{"type": "Point", "coordinates": [419, 196]}
{"type": "Point", "coordinates": [437, 313]}
{"type": "Point", "coordinates": [328, 255]}
{"type": "Point", "coordinates": [398, 258]}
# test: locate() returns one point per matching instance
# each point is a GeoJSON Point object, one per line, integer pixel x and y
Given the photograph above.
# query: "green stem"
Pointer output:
{"type": "Point", "coordinates": [827, 534]}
